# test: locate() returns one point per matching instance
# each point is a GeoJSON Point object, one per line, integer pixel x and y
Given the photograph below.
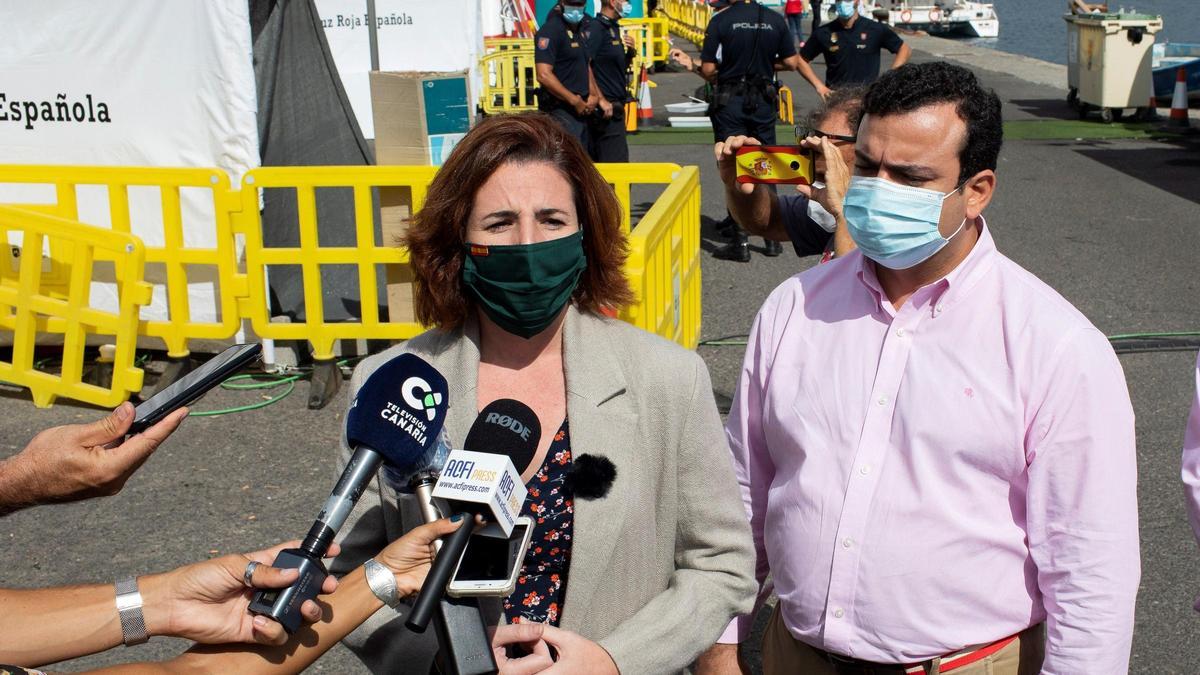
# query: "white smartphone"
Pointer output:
{"type": "Point", "coordinates": [490, 565]}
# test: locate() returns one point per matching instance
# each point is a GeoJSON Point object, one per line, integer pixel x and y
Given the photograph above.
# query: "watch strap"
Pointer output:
{"type": "Point", "coordinates": [129, 609]}
{"type": "Point", "coordinates": [382, 582]}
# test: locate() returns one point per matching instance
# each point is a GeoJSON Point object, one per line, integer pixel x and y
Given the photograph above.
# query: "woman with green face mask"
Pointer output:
{"type": "Point", "coordinates": [641, 553]}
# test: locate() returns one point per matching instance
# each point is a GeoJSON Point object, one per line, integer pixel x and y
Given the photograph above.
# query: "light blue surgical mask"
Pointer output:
{"type": "Point", "coordinates": [845, 10]}
{"type": "Point", "coordinates": [626, 10]}
{"type": "Point", "coordinates": [573, 15]}
{"type": "Point", "coordinates": [895, 225]}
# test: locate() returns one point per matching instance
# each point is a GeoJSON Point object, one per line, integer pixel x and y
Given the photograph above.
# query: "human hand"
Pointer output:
{"type": "Point", "coordinates": [726, 166]}
{"type": "Point", "coordinates": [580, 106]}
{"type": "Point", "coordinates": [629, 41]}
{"type": "Point", "coordinates": [409, 556]}
{"type": "Point", "coordinates": [207, 601]}
{"type": "Point", "coordinates": [836, 174]}
{"type": "Point", "coordinates": [529, 637]}
{"type": "Point", "coordinates": [606, 107]}
{"type": "Point", "coordinates": [721, 659]}
{"type": "Point", "coordinates": [823, 91]}
{"type": "Point", "coordinates": [593, 100]}
{"type": "Point", "coordinates": [679, 56]}
{"type": "Point", "coordinates": [80, 461]}
{"type": "Point", "coordinates": [577, 655]}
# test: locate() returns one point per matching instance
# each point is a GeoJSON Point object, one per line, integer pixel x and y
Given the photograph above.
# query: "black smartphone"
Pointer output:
{"type": "Point", "coordinates": [190, 387]}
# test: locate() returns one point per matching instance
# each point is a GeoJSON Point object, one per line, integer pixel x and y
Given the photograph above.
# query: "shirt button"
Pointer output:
{"type": "Point", "coordinates": [938, 309]}
{"type": "Point", "coordinates": [883, 400]}
{"type": "Point", "coordinates": [901, 332]}
{"type": "Point", "coordinates": [847, 542]}
{"type": "Point", "coordinates": [838, 613]}
{"type": "Point", "coordinates": [866, 469]}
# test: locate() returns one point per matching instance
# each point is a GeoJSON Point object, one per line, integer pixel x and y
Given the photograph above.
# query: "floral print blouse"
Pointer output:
{"type": "Point", "coordinates": [542, 584]}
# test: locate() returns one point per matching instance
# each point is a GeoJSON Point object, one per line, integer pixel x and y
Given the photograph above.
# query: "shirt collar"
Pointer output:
{"type": "Point", "coordinates": [946, 291]}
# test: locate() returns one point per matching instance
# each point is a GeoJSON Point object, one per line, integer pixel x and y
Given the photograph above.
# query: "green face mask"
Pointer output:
{"type": "Point", "coordinates": [523, 287]}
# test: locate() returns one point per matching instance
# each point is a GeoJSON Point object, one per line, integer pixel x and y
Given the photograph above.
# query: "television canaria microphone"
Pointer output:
{"type": "Point", "coordinates": [480, 479]}
{"type": "Point", "coordinates": [396, 418]}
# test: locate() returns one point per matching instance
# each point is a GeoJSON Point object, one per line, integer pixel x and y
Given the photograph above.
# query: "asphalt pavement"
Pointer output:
{"type": "Point", "coordinates": [1110, 223]}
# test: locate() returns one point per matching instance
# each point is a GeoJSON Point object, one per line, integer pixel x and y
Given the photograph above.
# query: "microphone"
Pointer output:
{"type": "Point", "coordinates": [397, 425]}
{"type": "Point", "coordinates": [480, 479]}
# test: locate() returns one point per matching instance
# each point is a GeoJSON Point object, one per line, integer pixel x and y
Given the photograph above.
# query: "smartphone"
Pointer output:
{"type": "Point", "coordinates": [191, 387]}
{"type": "Point", "coordinates": [774, 164]}
{"type": "Point", "coordinates": [490, 564]}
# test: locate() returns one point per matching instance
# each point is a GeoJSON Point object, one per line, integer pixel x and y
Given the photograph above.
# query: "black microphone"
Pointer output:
{"type": "Point", "coordinates": [505, 427]}
{"type": "Point", "coordinates": [396, 418]}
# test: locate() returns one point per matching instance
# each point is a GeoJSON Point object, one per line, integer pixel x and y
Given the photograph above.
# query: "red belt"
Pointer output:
{"type": "Point", "coordinates": [966, 657]}
{"type": "Point", "coordinates": [949, 662]}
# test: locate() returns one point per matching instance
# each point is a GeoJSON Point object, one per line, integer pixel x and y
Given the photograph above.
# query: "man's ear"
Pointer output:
{"type": "Point", "coordinates": [979, 190]}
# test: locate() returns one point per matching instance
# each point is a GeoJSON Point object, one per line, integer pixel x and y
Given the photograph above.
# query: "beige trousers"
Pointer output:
{"type": "Point", "coordinates": [783, 654]}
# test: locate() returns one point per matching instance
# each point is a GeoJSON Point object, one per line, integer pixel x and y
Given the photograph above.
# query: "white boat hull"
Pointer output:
{"type": "Point", "coordinates": [967, 19]}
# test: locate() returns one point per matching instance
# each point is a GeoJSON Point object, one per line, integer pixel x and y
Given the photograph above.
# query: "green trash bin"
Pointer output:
{"type": "Point", "coordinates": [1109, 62]}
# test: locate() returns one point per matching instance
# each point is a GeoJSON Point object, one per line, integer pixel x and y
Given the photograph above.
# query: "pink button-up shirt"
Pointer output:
{"type": "Point", "coordinates": [1191, 463]}
{"type": "Point", "coordinates": [943, 475]}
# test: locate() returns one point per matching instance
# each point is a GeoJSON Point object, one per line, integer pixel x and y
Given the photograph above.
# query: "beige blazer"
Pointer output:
{"type": "Point", "coordinates": [661, 564]}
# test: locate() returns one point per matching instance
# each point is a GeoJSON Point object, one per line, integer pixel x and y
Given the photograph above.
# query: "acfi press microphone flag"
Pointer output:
{"type": "Point", "coordinates": [396, 418]}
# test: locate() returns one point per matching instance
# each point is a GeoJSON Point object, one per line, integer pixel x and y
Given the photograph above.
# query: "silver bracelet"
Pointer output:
{"type": "Point", "coordinates": [129, 609]}
{"type": "Point", "coordinates": [382, 582]}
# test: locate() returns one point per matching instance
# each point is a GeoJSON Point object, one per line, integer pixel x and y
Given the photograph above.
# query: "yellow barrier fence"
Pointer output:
{"type": "Point", "coordinates": [28, 310]}
{"type": "Point", "coordinates": [687, 18]}
{"type": "Point", "coordinates": [664, 260]}
{"type": "Point", "coordinates": [787, 111]}
{"type": "Point", "coordinates": [509, 80]}
{"type": "Point", "coordinates": [663, 265]}
{"type": "Point", "coordinates": [650, 38]}
{"type": "Point", "coordinates": [179, 263]}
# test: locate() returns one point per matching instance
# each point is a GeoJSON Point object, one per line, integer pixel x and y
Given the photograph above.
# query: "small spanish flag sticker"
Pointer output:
{"type": "Point", "coordinates": [479, 251]}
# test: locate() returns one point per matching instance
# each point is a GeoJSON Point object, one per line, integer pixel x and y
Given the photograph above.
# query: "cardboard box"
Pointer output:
{"type": "Point", "coordinates": [419, 118]}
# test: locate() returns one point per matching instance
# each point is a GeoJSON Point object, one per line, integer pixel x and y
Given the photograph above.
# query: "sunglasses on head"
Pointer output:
{"type": "Point", "coordinates": [805, 132]}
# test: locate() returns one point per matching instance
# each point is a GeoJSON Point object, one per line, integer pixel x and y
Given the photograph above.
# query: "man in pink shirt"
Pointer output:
{"type": "Point", "coordinates": [936, 450]}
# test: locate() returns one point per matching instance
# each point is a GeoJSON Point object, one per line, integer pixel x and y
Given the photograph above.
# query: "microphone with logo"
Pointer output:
{"type": "Point", "coordinates": [480, 479]}
{"type": "Point", "coordinates": [399, 426]}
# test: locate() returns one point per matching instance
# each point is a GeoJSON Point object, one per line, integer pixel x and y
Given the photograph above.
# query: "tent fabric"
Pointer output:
{"type": "Point", "coordinates": [305, 119]}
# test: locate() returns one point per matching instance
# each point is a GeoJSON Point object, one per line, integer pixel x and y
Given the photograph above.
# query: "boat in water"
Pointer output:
{"type": "Point", "coordinates": [1166, 60]}
{"type": "Point", "coordinates": [944, 18]}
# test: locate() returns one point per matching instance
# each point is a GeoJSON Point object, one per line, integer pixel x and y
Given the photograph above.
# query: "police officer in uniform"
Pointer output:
{"type": "Point", "coordinates": [754, 42]}
{"type": "Point", "coordinates": [568, 90]}
{"type": "Point", "coordinates": [610, 55]}
{"type": "Point", "coordinates": [851, 47]}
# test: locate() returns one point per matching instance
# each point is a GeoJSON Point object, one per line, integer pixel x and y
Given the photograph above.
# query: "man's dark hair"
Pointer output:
{"type": "Point", "coordinates": [916, 85]}
{"type": "Point", "coordinates": [847, 100]}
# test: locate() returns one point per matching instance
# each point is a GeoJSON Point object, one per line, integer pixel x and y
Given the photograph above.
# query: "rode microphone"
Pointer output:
{"type": "Point", "coordinates": [482, 479]}
{"type": "Point", "coordinates": [396, 418]}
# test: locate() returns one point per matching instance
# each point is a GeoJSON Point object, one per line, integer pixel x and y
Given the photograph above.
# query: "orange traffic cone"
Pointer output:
{"type": "Point", "coordinates": [1179, 102]}
{"type": "Point", "coordinates": [645, 108]}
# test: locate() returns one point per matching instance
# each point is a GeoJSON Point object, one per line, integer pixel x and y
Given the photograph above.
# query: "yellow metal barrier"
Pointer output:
{"type": "Point", "coordinates": [663, 266]}
{"type": "Point", "coordinates": [175, 258]}
{"type": "Point", "coordinates": [687, 18]}
{"type": "Point", "coordinates": [664, 259]}
{"type": "Point", "coordinates": [494, 44]}
{"type": "Point", "coordinates": [27, 310]}
{"type": "Point", "coordinates": [649, 37]}
{"type": "Point", "coordinates": [509, 80]}
{"type": "Point", "coordinates": [787, 112]}
{"type": "Point", "coordinates": [310, 255]}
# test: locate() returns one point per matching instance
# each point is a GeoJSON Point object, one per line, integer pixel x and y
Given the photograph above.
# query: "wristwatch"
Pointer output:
{"type": "Point", "coordinates": [129, 608]}
{"type": "Point", "coordinates": [382, 582]}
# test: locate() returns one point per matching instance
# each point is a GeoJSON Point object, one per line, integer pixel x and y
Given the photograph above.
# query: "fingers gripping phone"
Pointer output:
{"type": "Point", "coordinates": [774, 164]}
{"type": "Point", "coordinates": [491, 564]}
{"type": "Point", "coordinates": [189, 388]}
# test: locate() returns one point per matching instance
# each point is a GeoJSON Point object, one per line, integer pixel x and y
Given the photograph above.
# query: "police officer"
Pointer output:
{"type": "Point", "coordinates": [568, 90]}
{"type": "Point", "coordinates": [752, 41]}
{"type": "Point", "coordinates": [610, 55]}
{"type": "Point", "coordinates": [851, 47]}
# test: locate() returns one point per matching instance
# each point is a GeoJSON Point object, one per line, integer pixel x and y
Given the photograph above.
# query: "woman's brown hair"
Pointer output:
{"type": "Point", "coordinates": [435, 239]}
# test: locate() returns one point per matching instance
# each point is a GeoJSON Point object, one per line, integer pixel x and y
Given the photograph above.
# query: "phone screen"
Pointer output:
{"type": "Point", "coordinates": [491, 558]}
{"type": "Point", "coordinates": [193, 385]}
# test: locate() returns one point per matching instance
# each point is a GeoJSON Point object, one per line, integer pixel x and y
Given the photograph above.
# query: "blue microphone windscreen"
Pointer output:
{"type": "Point", "coordinates": [399, 412]}
{"type": "Point", "coordinates": [506, 427]}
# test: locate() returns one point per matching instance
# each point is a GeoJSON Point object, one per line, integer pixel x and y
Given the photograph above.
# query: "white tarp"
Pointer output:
{"type": "Point", "coordinates": [130, 83]}
{"type": "Point", "coordinates": [413, 35]}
